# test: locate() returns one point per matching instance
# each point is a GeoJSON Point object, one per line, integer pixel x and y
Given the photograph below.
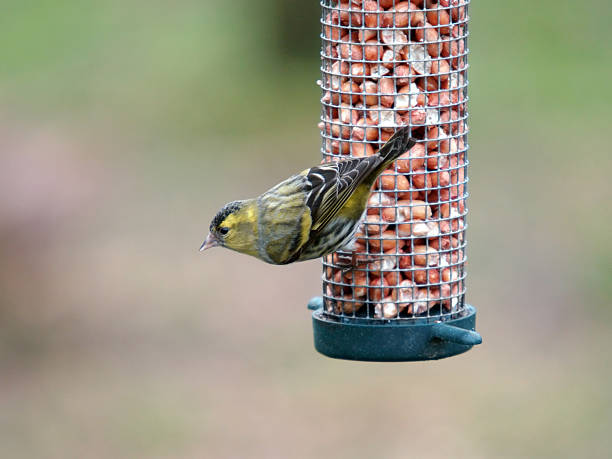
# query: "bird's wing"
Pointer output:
{"type": "Point", "coordinates": [333, 184]}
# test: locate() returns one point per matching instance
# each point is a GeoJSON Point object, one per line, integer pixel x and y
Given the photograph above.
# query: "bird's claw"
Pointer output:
{"type": "Point", "coordinates": [347, 261]}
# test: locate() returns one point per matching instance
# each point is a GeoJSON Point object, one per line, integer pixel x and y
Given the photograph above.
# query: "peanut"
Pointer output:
{"type": "Point", "coordinates": [425, 256]}
{"type": "Point", "coordinates": [382, 265]}
{"type": "Point", "coordinates": [359, 281]}
{"type": "Point", "coordinates": [439, 17]}
{"type": "Point", "coordinates": [350, 51]}
{"type": "Point", "coordinates": [405, 294]}
{"type": "Point", "coordinates": [393, 278]}
{"type": "Point", "coordinates": [418, 229]}
{"type": "Point", "coordinates": [387, 309]}
{"type": "Point", "coordinates": [414, 210]}
{"type": "Point", "coordinates": [372, 51]}
{"type": "Point", "coordinates": [348, 18]}
{"type": "Point", "coordinates": [386, 88]}
{"type": "Point", "coordinates": [370, 89]}
{"type": "Point", "coordinates": [371, 19]}
{"type": "Point", "coordinates": [358, 71]}
{"type": "Point", "coordinates": [379, 288]}
{"type": "Point", "coordinates": [394, 182]}
{"type": "Point", "coordinates": [359, 150]}
{"type": "Point", "coordinates": [411, 160]}
{"type": "Point", "coordinates": [386, 240]}
{"type": "Point", "coordinates": [348, 305]}
{"type": "Point", "coordinates": [426, 276]}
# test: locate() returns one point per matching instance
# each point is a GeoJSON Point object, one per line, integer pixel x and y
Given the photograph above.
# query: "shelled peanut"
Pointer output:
{"type": "Point", "coordinates": [388, 63]}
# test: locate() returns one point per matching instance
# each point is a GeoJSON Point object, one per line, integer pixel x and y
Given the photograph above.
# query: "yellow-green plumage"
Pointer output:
{"type": "Point", "coordinates": [284, 221]}
{"type": "Point", "coordinates": [310, 214]}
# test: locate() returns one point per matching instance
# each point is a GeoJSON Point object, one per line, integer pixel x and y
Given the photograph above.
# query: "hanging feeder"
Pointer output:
{"type": "Point", "coordinates": [386, 64]}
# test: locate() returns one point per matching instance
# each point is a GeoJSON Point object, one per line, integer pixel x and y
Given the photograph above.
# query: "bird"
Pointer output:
{"type": "Point", "coordinates": [309, 215]}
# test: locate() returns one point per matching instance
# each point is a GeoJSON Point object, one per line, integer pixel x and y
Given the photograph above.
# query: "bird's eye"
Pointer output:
{"type": "Point", "coordinates": [223, 230]}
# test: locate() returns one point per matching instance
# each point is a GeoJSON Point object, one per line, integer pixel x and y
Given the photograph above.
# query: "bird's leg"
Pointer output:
{"type": "Point", "coordinates": [347, 261]}
{"type": "Point", "coordinates": [348, 257]}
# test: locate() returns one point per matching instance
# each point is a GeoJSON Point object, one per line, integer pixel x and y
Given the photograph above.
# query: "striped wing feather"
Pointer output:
{"type": "Point", "coordinates": [333, 184]}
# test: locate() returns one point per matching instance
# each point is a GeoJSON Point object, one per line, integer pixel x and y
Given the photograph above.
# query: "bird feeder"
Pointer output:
{"type": "Point", "coordinates": [386, 64]}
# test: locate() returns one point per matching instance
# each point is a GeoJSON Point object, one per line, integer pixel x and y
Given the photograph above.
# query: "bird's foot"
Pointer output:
{"type": "Point", "coordinates": [348, 261]}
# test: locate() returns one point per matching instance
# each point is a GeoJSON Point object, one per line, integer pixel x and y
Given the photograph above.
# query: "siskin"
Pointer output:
{"type": "Point", "coordinates": [309, 215]}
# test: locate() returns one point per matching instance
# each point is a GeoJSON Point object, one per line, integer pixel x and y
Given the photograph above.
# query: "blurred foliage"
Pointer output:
{"type": "Point", "coordinates": [184, 69]}
{"type": "Point", "coordinates": [297, 19]}
{"type": "Point", "coordinates": [125, 125]}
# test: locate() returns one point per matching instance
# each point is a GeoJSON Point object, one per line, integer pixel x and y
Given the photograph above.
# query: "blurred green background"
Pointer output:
{"type": "Point", "coordinates": [125, 125]}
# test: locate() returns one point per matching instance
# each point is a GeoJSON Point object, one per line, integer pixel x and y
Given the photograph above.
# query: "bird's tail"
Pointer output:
{"type": "Point", "coordinates": [396, 146]}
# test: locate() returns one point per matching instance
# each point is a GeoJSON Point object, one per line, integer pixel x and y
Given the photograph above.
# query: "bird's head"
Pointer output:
{"type": "Point", "coordinates": [234, 227]}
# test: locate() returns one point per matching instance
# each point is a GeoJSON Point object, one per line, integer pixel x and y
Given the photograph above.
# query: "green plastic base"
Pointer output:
{"type": "Point", "coordinates": [393, 342]}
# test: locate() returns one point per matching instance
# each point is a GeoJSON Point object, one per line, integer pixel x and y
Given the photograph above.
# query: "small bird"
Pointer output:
{"type": "Point", "coordinates": [309, 215]}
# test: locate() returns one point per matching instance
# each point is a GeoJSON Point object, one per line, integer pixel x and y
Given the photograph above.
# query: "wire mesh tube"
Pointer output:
{"type": "Point", "coordinates": [386, 64]}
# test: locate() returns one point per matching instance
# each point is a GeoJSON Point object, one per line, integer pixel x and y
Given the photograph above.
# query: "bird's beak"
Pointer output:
{"type": "Point", "coordinates": [211, 241]}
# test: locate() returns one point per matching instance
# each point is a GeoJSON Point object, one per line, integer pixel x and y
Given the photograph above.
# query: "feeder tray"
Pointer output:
{"type": "Point", "coordinates": [389, 341]}
{"type": "Point", "coordinates": [387, 64]}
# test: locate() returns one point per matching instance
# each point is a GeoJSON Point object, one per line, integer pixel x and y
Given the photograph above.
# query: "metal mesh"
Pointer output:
{"type": "Point", "coordinates": [386, 64]}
